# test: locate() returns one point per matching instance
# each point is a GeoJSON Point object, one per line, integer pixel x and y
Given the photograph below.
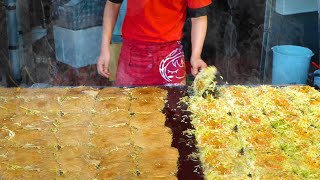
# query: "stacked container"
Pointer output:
{"type": "Point", "coordinates": [78, 30]}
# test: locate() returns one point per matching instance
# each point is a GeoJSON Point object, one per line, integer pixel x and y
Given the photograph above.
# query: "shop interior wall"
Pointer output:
{"type": "Point", "coordinates": [3, 47]}
{"type": "Point", "coordinates": [296, 29]}
{"type": "Point", "coordinates": [233, 44]}
{"type": "Point", "coordinates": [234, 39]}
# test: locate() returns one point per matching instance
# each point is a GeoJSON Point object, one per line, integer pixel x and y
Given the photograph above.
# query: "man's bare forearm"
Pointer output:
{"type": "Point", "coordinates": [110, 16]}
{"type": "Point", "coordinates": [198, 34]}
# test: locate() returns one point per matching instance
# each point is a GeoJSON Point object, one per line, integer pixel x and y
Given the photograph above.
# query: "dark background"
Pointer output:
{"type": "Point", "coordinates": [235, 43]}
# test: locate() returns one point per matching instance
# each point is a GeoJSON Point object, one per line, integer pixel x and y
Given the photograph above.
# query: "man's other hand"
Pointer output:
{"type": "Point", "coordinates": [197, 65]}
{"type": "Point", "coordinates": [103, 64]}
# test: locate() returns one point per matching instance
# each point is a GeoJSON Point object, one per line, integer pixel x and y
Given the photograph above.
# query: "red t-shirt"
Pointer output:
{"type": "Point", "coordinates": [157, 20]}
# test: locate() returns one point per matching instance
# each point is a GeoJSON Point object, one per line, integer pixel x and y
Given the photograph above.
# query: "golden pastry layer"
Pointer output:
{"type": "Point", "coordinates": [85, 133]}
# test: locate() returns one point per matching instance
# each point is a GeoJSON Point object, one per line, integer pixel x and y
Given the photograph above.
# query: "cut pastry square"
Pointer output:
{"type": "Point", "coordinates": [74, 159]}
{"type": "Point", "coordinates": [78, 119]}
{"type": "Point", "coordinates": [71, 152]}
{"type": "Point", "coordinates": [35, 122]}
{"type": "Point", "coordinates": [158, 168]}
{"type": "Point", "coordinates": [13, 151]}
{"type": "Point", "coordinates": [111, 119]}
{"type": "Point", "coordinates": [9, 92]}
{"type": "Point", "coordinates": [116, 155]}
{"type": "Point", "coordinates": [82, 91]}
{"type": "Point", "coordinates": [41, 93]}
{"type": "Point", "coordinates": [158, 162]}
{"type": "Point", "coordinates": [6, 104]}
{"type": "Point", "coordinates": [6, 115]}
{"type": "Point", "coordinates": [3, 100]}
{"type": "Point", "coordinates": [152, 137]}
{"type": "Point", "coordinates": [12, 106]}
{"type": "Point", "coordinates": [46, 169]}
{"type": "Point", "coordinates": [21, 173]}
{"type": "Point", "coordinates": [146, 105]}
{"type": "Point", "coordinates": [154, 154]}
{"type": "Point", "coordinates": [3, 167]}
{"type": "Point", "coordinates": [49, 173]}
{"type": "Point", "coordinates": [120, 170]}
{"type": "Point", "coordinates": [112, 93]}
{"type": "Point", "coordinates": [78, 104]}
{"type": "Point", "coordinates": [96, 154]}
{"type": "Point", "coordinates": [49, 165]}
{"type": "Point", "coordinates": [146, 176]}
{"type": "Point", "coordinates": [5, 151]}
{"type": "Point", "coordinates": [44, 105]}
{"type": "Point", "coordinates": [85, 174]}
{"type": "Point", "coordinates": [111, 137]}
{"type": "Point", "coordinates": [27, 119]}
{"type": "Point", "coordinates": [148, 92]}
{"type": "Point", "coordinates": [147, 120]}
{"type": "Point", "coordinates": [36, 137]}
{"type": "Point", "coordinates": [78, 100]}
{"type": "Point", "coordinates": [111, 105]}
{"type": "Point", "coordinates": [24, 157]}
{"type": "Point", "coordinates": [6, 119]}
{"type": "Point", "coordinates": [6, 134]}
{"type": "Point", "coordinates": [77, 135]}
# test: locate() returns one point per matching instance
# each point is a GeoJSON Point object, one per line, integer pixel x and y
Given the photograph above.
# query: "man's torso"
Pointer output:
{"type": "Point", "coordinates": [154, 20]}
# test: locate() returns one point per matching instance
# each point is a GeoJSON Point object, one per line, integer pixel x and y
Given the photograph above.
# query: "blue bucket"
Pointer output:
{"type": "Point", "coordinates": [290, 64]}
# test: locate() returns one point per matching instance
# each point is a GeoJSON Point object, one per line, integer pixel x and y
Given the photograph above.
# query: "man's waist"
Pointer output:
{"type": "Point", "coordinates": [149, 44]}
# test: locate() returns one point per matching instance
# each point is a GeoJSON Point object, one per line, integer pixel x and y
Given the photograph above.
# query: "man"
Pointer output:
{"type": "Point", "coordinates": [151, 53]}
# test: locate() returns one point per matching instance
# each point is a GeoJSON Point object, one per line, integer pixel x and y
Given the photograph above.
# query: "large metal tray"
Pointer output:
{"type": "Point", "coordinates": [178, 119]}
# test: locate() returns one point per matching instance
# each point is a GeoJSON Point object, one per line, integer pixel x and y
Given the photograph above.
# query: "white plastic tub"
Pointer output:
{"type": "Point", "coordinates": [287, 7]}
{"type": "Point", "coordinates": [77, 48]}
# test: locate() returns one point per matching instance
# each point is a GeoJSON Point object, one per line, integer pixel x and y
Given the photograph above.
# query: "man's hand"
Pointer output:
{"type": "Point", "coordinates": [103, 64]}
{"type": "Point", "coordinates": [110, 16]}
{"type": "Point", "coordinates": [197, 65]}
{"type": "Point", "coordinates": [198, 33]}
